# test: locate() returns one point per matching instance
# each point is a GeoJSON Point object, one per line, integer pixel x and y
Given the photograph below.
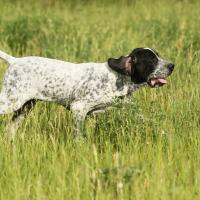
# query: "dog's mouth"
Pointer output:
{"type": "Point", "coordinates": [153, 82]}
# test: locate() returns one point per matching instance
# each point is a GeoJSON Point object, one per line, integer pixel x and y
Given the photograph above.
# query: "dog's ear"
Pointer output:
{"type": "Point", "coordinates": [121, 65]}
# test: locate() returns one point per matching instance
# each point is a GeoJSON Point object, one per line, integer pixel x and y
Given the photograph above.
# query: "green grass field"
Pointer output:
{"type": "Point", "coordinates": [146, 148]}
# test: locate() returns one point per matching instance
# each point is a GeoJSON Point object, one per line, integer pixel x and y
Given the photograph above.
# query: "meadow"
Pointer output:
{"type": "Point", "coordinates": [148, 146]}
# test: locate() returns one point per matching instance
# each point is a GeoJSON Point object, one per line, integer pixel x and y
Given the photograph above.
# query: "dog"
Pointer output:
{"type": "Point", "coordinates": [83, 88]}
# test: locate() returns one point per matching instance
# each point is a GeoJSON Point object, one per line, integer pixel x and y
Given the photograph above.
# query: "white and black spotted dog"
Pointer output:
{"type": "Point", "coordinates": [83, 88]}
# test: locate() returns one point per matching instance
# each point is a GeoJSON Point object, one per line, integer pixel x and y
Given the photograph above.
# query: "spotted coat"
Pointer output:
{"type": "Point", "coordinates": [83, 87]}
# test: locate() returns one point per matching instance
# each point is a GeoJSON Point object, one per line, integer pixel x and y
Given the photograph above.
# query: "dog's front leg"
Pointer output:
{"type": "Point", "coordinates": [79, 111]}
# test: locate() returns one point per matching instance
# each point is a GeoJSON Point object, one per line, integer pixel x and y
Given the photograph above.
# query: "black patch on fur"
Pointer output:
{"type": "Point", "coordinates": [143, 63]}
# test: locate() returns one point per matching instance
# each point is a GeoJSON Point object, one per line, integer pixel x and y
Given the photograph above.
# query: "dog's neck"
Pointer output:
{"type": "Point", "coordinates": [126, 81]}
{"type": "Point", "coordinates": [133, 87]}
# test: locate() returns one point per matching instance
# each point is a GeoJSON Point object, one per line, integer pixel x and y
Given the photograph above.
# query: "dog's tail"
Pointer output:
{"type": "Point", "coordinates": [9, 59]}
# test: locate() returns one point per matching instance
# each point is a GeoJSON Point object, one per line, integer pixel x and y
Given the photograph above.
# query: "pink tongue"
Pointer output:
{"type": "Point", "coordinates": [162, 80]}
{"type": "Point", "coordinates": [159, 80]}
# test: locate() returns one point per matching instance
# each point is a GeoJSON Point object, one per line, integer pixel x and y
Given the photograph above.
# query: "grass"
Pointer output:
{"type": "Point", "coordinates": [146, 149]}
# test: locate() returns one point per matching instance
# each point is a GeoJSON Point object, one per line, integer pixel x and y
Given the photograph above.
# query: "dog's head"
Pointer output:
{"type": "Point", "coordinates": [143, 65]}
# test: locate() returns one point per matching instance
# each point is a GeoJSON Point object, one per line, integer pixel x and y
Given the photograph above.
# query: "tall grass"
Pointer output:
{"type": "Point", "coordinates": [146, 148]}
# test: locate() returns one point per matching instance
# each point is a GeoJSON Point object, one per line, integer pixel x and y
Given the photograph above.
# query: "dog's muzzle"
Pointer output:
{"type": "Point", "coordinates": [160, 80]}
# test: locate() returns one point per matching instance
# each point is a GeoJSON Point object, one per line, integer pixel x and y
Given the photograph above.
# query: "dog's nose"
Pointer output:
{"type": "Point", "coordinates": [170, 66]}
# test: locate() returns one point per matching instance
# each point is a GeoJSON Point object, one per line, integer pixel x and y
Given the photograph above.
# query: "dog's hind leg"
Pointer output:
{"type": "Point", "coordinates": [9, 104]}
{"type": "Point", "coordinates": [18, 116]}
